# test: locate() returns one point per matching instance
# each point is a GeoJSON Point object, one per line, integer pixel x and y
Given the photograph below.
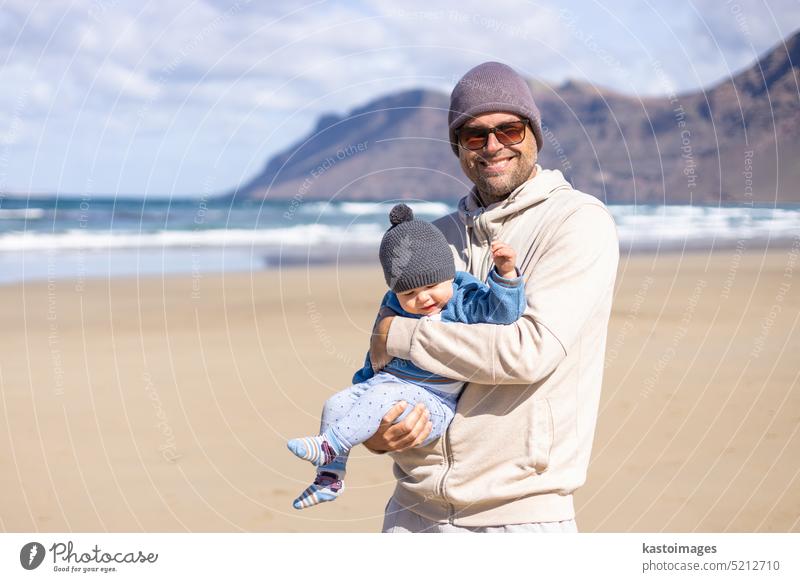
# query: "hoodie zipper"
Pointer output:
{"type": "Point", "coordinates": [475, 221]}
{"type": "Point", "coordinates": [448, 464]}
{"type": "Point", "coordinates": [447, 451]}
{"type": "Point", "coordinates": [477, 226]}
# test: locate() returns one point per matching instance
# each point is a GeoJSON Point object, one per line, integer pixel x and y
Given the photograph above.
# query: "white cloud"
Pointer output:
{"type": "Point", "coordinates": [114, 78]}
{"type": "Point", "coordinates": [742, 26]}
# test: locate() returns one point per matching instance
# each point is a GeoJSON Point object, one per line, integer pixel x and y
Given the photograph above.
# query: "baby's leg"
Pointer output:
{"type": "Point", "coordinates": [325, 454]}
{"type": "Point", "coordinates": [363, 418]}
{"type": "Point", "coordinates": [329, 481]}
{"type": "Point", "coordinates": [352, 416]}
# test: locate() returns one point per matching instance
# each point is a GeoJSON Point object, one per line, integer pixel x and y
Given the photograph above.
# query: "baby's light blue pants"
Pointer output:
{"type": "Point", "coordinates": [354, 414]}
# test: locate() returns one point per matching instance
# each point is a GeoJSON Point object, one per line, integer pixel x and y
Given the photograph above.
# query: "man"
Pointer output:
{"type": "Point", "coordinates": [520, 442]}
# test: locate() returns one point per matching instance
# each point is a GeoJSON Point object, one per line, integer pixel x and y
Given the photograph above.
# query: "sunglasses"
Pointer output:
{"type": "Point", "coordinates": [475, 138]}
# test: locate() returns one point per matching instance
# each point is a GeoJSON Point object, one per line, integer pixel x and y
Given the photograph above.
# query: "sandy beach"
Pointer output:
{"type": "Point", "coordinates": [164, 404]}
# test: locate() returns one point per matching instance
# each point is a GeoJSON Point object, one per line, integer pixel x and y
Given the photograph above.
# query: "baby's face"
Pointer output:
{"type": "Point", "coordinates": [427, 300]}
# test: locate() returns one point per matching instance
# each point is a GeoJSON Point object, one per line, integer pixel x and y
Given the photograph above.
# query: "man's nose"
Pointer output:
{"type": "Point", "coordinates": [492, 145]}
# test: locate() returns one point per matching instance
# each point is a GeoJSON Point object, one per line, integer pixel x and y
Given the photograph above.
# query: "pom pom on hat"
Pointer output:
{"type": "Point", "coordinates": [400, 213]}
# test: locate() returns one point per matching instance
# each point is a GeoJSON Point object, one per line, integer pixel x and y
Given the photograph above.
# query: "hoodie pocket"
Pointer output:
{"type": "Point", "coordinates": [540, 437]}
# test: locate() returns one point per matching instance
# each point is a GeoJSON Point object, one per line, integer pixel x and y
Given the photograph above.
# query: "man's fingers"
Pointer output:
{"type": "Point", "coordinates": [423, 435]}
{"type": "Point", "coordinates": [398, 435]}
{"type": "Point", "coordinates": [411, 427]}
{"type": "Point", "coordinates": [394, 412]}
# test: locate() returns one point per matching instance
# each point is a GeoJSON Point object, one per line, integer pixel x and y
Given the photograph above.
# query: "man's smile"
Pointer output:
{"type": "Point", "coordinates": [495, 165]}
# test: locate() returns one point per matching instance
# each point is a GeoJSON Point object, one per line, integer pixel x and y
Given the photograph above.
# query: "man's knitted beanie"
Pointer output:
{"type": "Point", "coordinates": [490, 88]}
{"type": "Point", "coordinates": [414, 253]}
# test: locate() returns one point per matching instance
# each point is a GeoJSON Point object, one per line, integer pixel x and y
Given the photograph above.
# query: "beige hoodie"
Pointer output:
{"type": "Point", "coordinates": [520, 441]}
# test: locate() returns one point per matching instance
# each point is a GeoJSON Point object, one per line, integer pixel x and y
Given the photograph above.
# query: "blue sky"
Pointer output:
{"type": "Point", "coordinates": [191, 98]}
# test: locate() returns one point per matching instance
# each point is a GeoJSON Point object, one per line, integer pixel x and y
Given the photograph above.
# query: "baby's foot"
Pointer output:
{"type": "Point", "coordinates": [316, 450]}
{"type": "Point", "coordinates": [326, 487]}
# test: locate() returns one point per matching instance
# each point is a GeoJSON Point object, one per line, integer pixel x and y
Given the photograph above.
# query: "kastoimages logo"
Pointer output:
{"type": "Point", "coordinates": [31, 555]}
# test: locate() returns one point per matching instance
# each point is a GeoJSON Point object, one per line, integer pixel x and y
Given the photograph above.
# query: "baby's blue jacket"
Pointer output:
{"type": "Point", "coordinates": [501, 301]}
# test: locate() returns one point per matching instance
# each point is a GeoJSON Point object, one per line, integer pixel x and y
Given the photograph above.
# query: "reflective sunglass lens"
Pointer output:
{"type": "Point", "coordinates": [475, 138]}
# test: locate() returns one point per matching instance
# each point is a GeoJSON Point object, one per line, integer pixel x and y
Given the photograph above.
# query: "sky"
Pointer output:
{"type": "Point", "coordinates": [166, 98]}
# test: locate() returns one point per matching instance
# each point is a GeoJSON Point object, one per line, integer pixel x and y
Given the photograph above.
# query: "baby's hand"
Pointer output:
{"type": "Point", "coordinates": [505, 259]}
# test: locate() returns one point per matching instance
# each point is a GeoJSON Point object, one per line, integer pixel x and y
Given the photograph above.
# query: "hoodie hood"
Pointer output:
{"type": "Point", "coordinates": [483, 225]}
{"type": "Point", "coordinates": [543, 185]}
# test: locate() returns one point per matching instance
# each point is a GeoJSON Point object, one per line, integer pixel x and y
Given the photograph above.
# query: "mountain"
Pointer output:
{"type": "Point", "coordinates": [734, 142]}
{"type": "Point", "coordinates": [393, 147]}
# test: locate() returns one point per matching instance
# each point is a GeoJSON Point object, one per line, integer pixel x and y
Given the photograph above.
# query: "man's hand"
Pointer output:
{"type": "Point", "coordinates": [505, 259]}
{"type": "Point", "coordinates": [377, 344]}
{"type": "Point", "coordinates": [409, 433]}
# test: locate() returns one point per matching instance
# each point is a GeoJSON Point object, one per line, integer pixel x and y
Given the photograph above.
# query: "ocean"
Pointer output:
{"type": "Point", "coordinates": [49, 238]}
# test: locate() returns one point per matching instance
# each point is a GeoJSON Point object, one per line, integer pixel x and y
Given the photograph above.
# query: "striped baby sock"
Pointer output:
{"type": "Point", "coordinates": [326, 487]}
{"type": "Point", "coordinates": [317, 450]}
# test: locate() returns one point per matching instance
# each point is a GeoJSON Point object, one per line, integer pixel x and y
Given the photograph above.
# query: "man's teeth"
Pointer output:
{"type": "Point", "coordinates": [497, 165]}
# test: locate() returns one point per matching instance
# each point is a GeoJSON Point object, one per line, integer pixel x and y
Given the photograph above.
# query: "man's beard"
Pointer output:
{"type": "Point", "coordinates": [496, 188]}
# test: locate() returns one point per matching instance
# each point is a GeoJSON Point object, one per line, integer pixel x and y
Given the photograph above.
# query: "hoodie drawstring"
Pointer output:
{"type": "Point", "coordinates": [468, 242]}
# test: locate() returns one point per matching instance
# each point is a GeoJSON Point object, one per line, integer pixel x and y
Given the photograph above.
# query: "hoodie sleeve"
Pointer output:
{"type": "Point", "coordinates": [572, 282]}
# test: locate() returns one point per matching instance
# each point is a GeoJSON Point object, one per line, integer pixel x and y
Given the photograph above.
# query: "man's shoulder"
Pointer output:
{"type": "Point", "coordinates": [583, 219]}
{"type": "Point", "coordinates": [570, 205]}
{"type": "Point", "coordinates": [560, 205]}
{"type": "Point", "coordinates": [571, 199]}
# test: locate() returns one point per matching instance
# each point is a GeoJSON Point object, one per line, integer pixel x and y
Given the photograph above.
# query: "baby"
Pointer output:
{"type": "Point", "coordinates": [419, 269]}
